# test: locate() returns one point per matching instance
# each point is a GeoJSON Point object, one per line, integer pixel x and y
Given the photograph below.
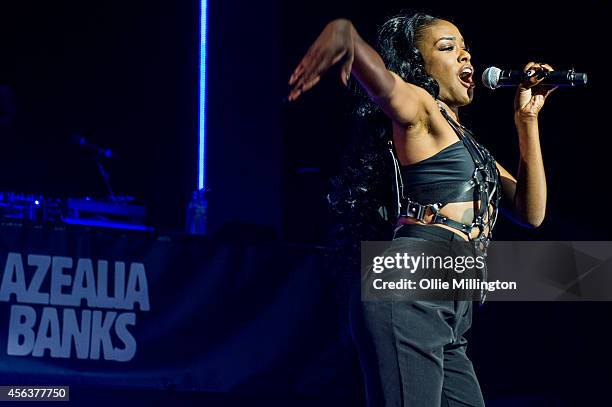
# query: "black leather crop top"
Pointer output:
{"type": "Point", "coordinates": [464, 171]}
{"type": "Point", "coordinates": [431, 179]}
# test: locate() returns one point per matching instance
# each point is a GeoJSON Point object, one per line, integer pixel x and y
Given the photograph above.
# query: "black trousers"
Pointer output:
{"type": "Point", "coordinates": [413, 354]}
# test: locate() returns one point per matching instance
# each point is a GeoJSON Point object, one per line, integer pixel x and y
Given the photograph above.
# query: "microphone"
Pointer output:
{"type": "Point", "coordinates": [494, 78]}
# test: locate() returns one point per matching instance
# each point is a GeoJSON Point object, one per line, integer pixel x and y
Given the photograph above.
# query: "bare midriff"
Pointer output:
{"type": "Point", "coordinates": [462, 212]}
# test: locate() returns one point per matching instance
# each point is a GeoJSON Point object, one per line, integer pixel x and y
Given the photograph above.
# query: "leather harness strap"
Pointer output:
{"type": "Point", "coordinates": [484, 182]}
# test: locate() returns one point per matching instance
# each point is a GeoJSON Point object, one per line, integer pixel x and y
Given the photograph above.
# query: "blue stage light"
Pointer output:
{"type": "Point", "coordinates": [202, 104]}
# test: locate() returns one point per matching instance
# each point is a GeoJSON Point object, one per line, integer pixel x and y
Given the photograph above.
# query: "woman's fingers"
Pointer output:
{"type": "Point", "coordinates": [529, 70]}
{"type": "Point", "coordinates": [309, 73]}
{"type": "Point", "coordinates": [334, 44]}
{"type": "Point", "coordinates": [303, 65]}
{"type": "Point", "coordinates": [306, 64]}
{"type": "Point", "coordinates": [307, 77]}
{"type": "Point", "coordinates": [303, 84]}
{"type": "Point", "coordinates": [311, 83]}
{"type": "Point", "coordinates": [536, 73]}
{"type": "Point", "coordinates": [529, 65]}
{"type": "Point", "coordinates": [548, 67]}
{"type": "Point", "coordinates": [296, 73]}
{"type": "Point", "coordinates": [345, 72]}
{"type": "Point", "coordinates": [300, 77]}
{"type": "Point", "coordinates": [542, 71]}
{"type": "Point", "coordinates": [532, 93]}
{"type": "Point", "coordinates": [345, 75]}
{"type": "Point", "coordinates": [294, 94]}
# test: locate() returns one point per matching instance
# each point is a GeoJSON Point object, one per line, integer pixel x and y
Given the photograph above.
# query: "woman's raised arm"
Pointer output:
{"type": "Point", "coordinates": [340, 42]}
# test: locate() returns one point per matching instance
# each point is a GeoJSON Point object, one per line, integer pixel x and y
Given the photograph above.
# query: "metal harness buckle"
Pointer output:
{"type": "Point", "coordinates": [415, 210]}
{"type": "Point", "coordinates": [418, 211]}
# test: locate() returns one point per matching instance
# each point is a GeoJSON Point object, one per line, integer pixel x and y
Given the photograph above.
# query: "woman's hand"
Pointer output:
{"type": "Point", "coordinates": [531, 95]}
{"type": "Point", "coordinates": [336, 42]}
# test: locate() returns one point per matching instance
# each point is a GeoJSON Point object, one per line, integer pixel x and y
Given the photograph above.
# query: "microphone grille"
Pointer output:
{"type": "Point", "coordinates": [490, 77]}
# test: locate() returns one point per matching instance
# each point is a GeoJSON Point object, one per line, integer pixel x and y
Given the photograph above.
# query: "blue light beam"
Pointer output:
{"type": "Point", "coordinates": [202, 104]}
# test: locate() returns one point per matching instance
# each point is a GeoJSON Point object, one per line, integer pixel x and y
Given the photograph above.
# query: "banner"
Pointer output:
{"type": "Point", "coordinates": [182, 312]}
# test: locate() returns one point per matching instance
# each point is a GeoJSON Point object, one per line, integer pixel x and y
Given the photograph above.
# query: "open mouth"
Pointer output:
{"type": "Point", "coordinates": [466, 77]}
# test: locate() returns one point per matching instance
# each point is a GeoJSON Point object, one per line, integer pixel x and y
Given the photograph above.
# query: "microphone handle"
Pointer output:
{"type": "Point", "coordinates": [558, 78]}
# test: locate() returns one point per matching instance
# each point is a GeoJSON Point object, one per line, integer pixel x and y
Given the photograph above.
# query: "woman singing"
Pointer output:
{"type": "Point", "coordinates": [449, 189]}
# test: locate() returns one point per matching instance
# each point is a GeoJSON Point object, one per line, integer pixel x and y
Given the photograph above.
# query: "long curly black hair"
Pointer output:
{"type": "Point", "coordinates": [362, 195]}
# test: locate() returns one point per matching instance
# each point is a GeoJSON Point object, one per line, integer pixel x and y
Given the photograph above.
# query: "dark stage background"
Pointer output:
{"type": "Point", "coordinates": [121, 74]}
{"type": "Point", "coordinates": [124, 74]}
